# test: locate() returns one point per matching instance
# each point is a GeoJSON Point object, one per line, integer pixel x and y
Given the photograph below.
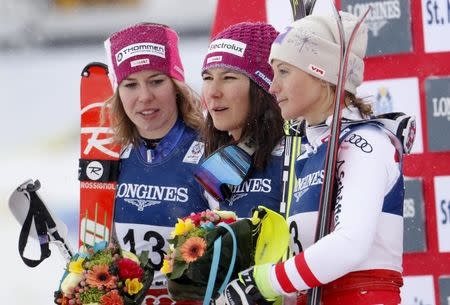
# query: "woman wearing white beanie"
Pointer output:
{"type": "Point", "coordinates": [360, 261]}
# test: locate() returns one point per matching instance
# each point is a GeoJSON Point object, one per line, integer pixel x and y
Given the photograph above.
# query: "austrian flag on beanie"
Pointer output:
{"type": "Point", "coordinates": [145, 46]}
{"type": "Point", "coordinates": [312, 45]}
{"type": "Point", "coordinates": [244, 47]}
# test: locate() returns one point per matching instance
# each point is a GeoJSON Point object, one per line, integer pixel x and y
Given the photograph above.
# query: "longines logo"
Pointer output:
{"type": "Point", "coordinates": [441, 107]}
{"type": "Point", "coordinates": [303, 184]}
{"type": "Point", "coordinates": [253, 185]}
{"type": "Point", "coordinates": [438, 112]}
{"type": "Point", "coordinates": [381, 13]}
{"type": "Point", "coordinates": [142, 195]}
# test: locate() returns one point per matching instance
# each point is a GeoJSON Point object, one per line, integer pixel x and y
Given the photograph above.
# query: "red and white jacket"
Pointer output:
{"type": "Point", "coordinates": [368, 217]}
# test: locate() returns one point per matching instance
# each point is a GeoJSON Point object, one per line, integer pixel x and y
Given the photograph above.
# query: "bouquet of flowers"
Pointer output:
{"type": "Point", "coordinates": [188, 262]}
{"type": "Point", "coordinates": [189, 241]}
{"type": "Point", "coordinates": [105, 275]}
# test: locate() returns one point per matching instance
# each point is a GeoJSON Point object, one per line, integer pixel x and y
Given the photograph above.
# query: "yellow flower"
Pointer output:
{"type": "Point", "coordinates": [183, 227]}
{"type": "Point", "coordinates": [130, 255]}
{"type": "Point", "coordinates": [70, 282]}
{"type": "Point", "coordinates": [133, 286]}
{"type": "Point", "coordinates": [76, 266]}
{"type": "Point", "coordinates": [166, 267]}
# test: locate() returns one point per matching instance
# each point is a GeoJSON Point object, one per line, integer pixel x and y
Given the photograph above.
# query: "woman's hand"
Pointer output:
{"type": "Point", "coordinates": [247, 290]}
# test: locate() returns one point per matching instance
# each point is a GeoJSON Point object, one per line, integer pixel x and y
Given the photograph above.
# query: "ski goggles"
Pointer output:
{"type": "Point", "coordinates": [229, 165]}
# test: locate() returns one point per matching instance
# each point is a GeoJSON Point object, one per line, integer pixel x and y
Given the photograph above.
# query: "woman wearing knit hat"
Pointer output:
{"type": "Point", "coordinates": [155, 117]}
{"type": "Point", "coordinates": [236, 80]}
{"type": "Point", "coordinates": [360, 261]}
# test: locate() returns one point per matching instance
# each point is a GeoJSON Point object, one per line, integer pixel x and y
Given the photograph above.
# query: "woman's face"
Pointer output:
{"type": "Point", "coordinates": [227, 96]}
{"type": "Point", "coordinates": [149, 100]}
{"type": "Point", "coordinates": [299, 94]}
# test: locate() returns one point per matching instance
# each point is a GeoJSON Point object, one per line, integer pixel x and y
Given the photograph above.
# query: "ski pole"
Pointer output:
{"type": "Point", "coordinates": [326, 195]}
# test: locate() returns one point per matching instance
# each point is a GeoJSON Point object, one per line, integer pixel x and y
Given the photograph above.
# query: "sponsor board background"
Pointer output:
{"type": "Point", "coordinates": [442, 197]}
{"type": "Point", "coordinates": [438, 112]}
{"type": "Point", "coordinates": [403, 69]}
{"type": "Point", "coordinates": [423, 164]}
{"type": "Point", "coordinates": [414, 237]}
{"type": "Point", "coordinates": [395, 95]}
{"type": "Point", "coordinates": [385, 21]}
{"type": "Point", "coordinates": [418, 290]}
{"type": "Point", "coordinates": [436, 25]}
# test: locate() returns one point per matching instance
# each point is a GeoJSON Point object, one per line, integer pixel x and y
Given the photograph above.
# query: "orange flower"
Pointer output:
{"type": "Point", "coordinates": [99, 276]}
{"type": "Point", "coordinates": [111, 298]}
{"type": "Point", "coordinates": [192, 249]}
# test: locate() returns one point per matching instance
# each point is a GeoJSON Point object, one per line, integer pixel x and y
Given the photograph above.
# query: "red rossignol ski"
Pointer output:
{"type": "Point", "coordinates": [98, 167]}
{"type": "Point", "coordinates": [326, 194]}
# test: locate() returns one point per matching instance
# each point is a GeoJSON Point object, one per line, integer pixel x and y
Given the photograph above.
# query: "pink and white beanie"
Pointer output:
{"type": "Point", "coordinates": [244, 47]}
{"type": "Point", "coordinates": [145, 46]}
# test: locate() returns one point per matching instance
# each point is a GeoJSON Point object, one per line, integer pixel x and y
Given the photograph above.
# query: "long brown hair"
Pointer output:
{"type": "Point", "coordinates": [264, 125]}
{"type": "Point", "coordinates": [125, 132]}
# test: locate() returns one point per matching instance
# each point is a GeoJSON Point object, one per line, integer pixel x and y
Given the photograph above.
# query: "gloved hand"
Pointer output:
{"type": "Point", "coordinates": [252, 287]}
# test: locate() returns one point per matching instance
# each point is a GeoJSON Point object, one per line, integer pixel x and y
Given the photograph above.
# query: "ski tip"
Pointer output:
{"type": "Point", "coordinates": [88, 68]}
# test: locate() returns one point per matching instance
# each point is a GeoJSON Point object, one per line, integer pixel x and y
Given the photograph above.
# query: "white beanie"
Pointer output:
{"type": "Point", "coordinates": [312, 45]}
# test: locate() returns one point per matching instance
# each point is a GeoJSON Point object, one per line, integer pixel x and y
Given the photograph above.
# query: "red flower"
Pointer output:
{"type": "Point", "coordinates": [228, 221]}
{"type": "Point", "coordinates": [129, 269]}
{"type": "Point", "coordinates": [111, 298]}
{"type": "Point", "coordinates": [196, 218]}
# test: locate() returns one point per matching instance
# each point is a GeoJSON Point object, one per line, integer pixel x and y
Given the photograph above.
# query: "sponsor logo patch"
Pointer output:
{"type": "Point", "coordinates": [303, 184]}
{"type": "Point", "coordinates": [254, 185]}
{"type": "Point", "coordinates": [194, 153]}
{"type": "Point", "coordinates": [94, 170]}
{"type": "Point", "coordinates": [214, 59]}
{"type": "Point", "coordinates": [228, 46]}
{"type": "Point", "coordinates": [136, 49]}
{"type": "Point", "coordinates": [140, 62]}
{"type": "Point", "coordinates": [142, 195]}
{"type": "Point", "coordinates": [263, 77]}
{"type": "Point", "coordinates": [360, 142]}
{"type": "Point", "coordinates": [316, 70]}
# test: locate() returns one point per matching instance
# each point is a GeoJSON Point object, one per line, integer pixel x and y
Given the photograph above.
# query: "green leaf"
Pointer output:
{"type": "Point", "coordinates": [143, 257]}
{"type": "Point", "coordinates": [178, 269]}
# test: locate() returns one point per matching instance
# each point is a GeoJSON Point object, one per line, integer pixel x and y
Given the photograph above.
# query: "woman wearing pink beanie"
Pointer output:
{"type": "Point", "coordinates": [155, 117]}
{"type": "Point", "coordinates": [360, 261]}
{"type": "Point", "coordinates": [236, 80]}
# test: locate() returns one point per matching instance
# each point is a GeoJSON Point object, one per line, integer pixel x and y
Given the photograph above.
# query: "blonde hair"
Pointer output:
{"type": "Point", "coordinates": [124, 130]}
{"type": "Point", "coordinates": [350, 100]}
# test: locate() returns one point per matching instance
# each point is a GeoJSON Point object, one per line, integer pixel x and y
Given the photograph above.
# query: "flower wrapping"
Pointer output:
{"type": "Point", "coordinates": [105, 275]}
{"type": "Point", "coordinates": [188, 261]}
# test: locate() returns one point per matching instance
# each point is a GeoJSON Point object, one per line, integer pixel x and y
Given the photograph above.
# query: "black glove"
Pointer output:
{"type": "Point", "coordinates": [244, 291]}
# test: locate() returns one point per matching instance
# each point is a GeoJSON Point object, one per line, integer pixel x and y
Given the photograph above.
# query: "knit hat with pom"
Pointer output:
{"type": "Point", "coordinates": [312, 45]}
{"type": "Point", "coordinates": [244, 47]}
{"type": "Point", "coordinates": [145, 46]}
